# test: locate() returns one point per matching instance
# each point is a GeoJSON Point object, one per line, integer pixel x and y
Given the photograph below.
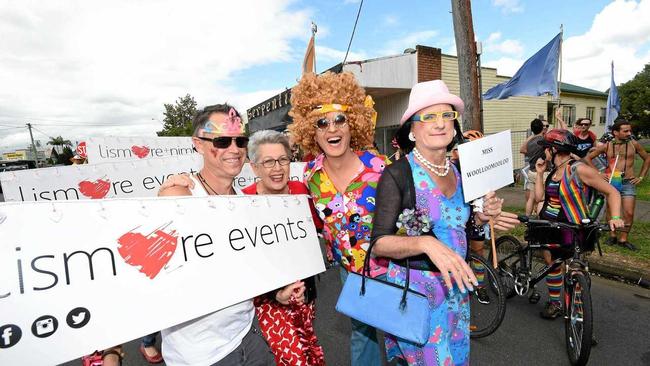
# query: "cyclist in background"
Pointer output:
{"type": "Point", "coordinates": [565, 195]}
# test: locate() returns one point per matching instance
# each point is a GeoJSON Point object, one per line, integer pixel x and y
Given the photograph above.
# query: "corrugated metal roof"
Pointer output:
{"type": "Point", "coordinates": [570, 88]}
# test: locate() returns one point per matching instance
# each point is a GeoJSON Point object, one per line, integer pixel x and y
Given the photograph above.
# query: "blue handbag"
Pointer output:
{"type": "Point", "coordinates": [394, 309]}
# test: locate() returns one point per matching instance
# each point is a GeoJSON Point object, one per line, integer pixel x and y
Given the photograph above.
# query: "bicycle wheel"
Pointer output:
{"type": "Point", "coordinates": [487, 313]}
{"type": "Point", "coordinates": [579, 317]}
{"type": "Point", "coordinates": [510, 259]}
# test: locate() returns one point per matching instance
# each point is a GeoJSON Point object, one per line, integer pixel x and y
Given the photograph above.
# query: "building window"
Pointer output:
{"type": "Point", "coordinates": [603, 116]}
{"type": "Point", "coordinates": [590, 113]}
{"type": "Point", "coordinates": [569, 114]}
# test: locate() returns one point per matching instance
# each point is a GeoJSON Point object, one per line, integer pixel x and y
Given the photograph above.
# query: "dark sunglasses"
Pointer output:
{"type": "Point", "coordinates": [545, 126]}
{"type": "Point", "coordinates": [324, 123]}
{"type": "Point", "coordinates": [584, 124]}
{"type": "Point", "coordinates": [223, 142]}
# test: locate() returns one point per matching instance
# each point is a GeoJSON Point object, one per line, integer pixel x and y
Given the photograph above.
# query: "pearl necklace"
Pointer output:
{"type": "Point", "coordinates": [435, 169]}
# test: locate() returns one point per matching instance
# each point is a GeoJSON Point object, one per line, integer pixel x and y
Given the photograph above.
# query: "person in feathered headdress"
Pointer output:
{"type": "Point", "coordinates": [334, 119]}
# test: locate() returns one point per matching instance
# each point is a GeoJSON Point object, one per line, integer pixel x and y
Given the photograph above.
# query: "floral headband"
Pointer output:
{"type": "Point", "coordinates": [368, 102]}
{"type": "Point", "coordinates": [232, 125]}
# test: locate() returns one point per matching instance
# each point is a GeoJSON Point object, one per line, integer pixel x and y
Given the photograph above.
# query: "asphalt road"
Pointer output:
{"type": "Point", "coordinates": [622, 326]}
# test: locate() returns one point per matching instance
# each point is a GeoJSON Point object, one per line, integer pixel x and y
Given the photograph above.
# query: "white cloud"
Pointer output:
{"type": "Point", "coordinates": [397, 46]}
{"type": "Point", "coordinates": [614, 35]}
{"type": "Point", "coordinates": [617, 33]}
{"type": "Point", "coordinates": [391, 20]}
{"type": "Point", "coordinates": [118, 62]}
{"type": "Point", "coordinates": [507, 46]}
{"type": "Point", "coordinates": [506, 66]}
{"type": "Point", "coordinates": [335, 56]}
{"type": "Point", "coordinates": [509, 6]}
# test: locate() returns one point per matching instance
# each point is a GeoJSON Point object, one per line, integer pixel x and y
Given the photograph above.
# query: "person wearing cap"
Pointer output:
{"type": "Point", "coordinates": [577, 180]}
{"type": "Point", "coordinates": [333, 120]}
{"type": "Point", "coordinates": [533, 151]}
{"type": "Point", "coordinates": [425, 180]}
{"type": "Point", "coordinates": [227, 336]}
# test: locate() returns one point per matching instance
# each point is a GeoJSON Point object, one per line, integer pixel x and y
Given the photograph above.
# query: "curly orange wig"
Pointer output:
{"type": "Point", "coordinates": [330, 88]}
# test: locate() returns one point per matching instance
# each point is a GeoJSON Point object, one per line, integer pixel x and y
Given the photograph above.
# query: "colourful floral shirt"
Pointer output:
{"type": "Point", "coordinates": [348, 215]}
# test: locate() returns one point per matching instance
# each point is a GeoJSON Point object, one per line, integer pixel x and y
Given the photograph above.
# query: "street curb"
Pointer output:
{"type": "Point", "coordinates": [635, 276]}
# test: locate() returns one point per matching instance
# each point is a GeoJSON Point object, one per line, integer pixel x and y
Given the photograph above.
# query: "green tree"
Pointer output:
{"type": "Point", "coordinates": [635, 101]}
{"type": "Point", "coordinates": [178, 117]}
{"type": "Point", "coordinates": [59, 143]}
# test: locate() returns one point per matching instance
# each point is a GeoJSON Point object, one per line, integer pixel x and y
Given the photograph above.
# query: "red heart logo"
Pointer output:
{"type": "Point", "coordinates": [140, 151]}
{"type": "Point", "coordinates": [95, 190]}
{"type": "Point", "coordinates": [150, 252]}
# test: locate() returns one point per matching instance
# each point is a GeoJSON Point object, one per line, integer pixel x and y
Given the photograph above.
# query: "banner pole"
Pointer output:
{"type": "Point", "coordinates": [495, 262]}
{"type": "Point", "coordinates": [559, 83]}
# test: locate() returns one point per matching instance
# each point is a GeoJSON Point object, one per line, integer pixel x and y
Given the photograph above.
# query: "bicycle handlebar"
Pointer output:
{"type": "Point", "coordinates": [563, 225]}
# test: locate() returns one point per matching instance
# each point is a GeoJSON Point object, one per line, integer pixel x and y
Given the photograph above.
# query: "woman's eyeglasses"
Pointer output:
{"type": "Point", "coordinates": [270, 163]}
{"type": "Point", "coordinates": [586, 124]}
{"type": "Point", "coordinates": [545, 125]}
{"type": "Point", "coordinates": [339, 122]}
{"type": "Point", "coordinates": [434, 116]}
{"type": "Point", "coordinates": [223, 142]}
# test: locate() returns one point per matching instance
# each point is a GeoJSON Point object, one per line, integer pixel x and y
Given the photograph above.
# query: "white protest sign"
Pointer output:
{"type": "Point", "coordinates": [486, 164]}
{"type": "Point", "coordinates": [137, 178]}
{"type": "Point", "coordinates": [112, 149]}
{"type": "Point", "coordinates": [77, 276]}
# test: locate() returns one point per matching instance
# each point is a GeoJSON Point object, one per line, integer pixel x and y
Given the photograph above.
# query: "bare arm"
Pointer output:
{"type": "Point", "coordinates": [384, 242]}
{"type": "Point", "coordinates": [524, 147]}
{"type": "Point", "coordinates": [558, 117]}
{"type": "Point", "coordinates": [174, 191]}
{"type": "Point", "coordinates": [540, 167]}
{"type": "Point", "coordinates": [646, 162]}
{"type": "Point", "coordinates": [442, 256]}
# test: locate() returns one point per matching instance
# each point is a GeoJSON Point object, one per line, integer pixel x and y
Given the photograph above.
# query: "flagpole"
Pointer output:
{"type": "Point", "coordinates": [559, 83]}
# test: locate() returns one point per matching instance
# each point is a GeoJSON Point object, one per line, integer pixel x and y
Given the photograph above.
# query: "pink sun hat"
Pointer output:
{"type": "Point", "coordinates": [430, 93]}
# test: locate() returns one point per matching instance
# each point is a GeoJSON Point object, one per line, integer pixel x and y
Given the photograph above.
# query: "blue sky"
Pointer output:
{"type": "Point", "coordinates": [387, 27]}
{"type": "Point", "coordinates": [82, 68]}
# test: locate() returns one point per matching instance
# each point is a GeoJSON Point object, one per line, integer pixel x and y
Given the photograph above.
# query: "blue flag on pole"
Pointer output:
{"type": "Point", "coordinates": [536, 77]}
{"type": "Point", "coordinates": [613, 103]}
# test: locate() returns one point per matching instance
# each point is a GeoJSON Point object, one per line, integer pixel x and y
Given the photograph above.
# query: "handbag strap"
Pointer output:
{"type": "Point", "coordinates": [366, 271]}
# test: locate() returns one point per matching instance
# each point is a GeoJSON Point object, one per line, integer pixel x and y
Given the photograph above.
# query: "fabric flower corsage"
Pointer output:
{"type": "Point", "coordinates": [413, 222]}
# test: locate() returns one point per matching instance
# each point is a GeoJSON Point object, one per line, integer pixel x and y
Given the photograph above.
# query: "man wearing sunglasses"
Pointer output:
{"type": "Point", "coordinates": [225, 337]}
{"type": "Point", "coordinates": [586, 139]}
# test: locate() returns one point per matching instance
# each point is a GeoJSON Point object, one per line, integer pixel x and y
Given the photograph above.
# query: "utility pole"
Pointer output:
{"type": "Point", "coordinates": [31, 136]}
{"type": "Point", "coordinates": [467, 72]}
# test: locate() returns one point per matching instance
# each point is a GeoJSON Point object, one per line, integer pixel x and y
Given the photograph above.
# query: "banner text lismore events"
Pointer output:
{"type": "Point", "coordinates": [179, 258]}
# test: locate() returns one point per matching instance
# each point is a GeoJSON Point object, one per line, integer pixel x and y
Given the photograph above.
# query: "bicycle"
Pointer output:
{"type": "Point", "coordinates": [515, 267]}
{"type": "Point", "coordinates": [486, 317]}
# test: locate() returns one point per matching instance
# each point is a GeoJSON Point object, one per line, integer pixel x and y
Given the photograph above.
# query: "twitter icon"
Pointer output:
{"type": "Point", "coordinates": [78, 317]}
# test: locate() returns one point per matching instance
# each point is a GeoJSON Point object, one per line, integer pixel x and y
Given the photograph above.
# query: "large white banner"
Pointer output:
{"type": "Point", "coordinates": [77, 276]}
{"type": "Point", "coordinates": [112, 149]}
{"type": "Point", "coordinates": [486, 164]}
{"type": "Point", "coordinates": [138, 178]}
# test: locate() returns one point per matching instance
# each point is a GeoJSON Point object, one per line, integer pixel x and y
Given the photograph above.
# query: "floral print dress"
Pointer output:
{"type": "Point", "coordinates": [449, 338]}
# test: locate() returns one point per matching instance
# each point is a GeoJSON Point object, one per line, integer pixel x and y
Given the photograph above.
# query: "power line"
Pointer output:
{"type": "Point", "coordinates": [43, 133]}
{"type": "Point", "coordinates": [353, 29]}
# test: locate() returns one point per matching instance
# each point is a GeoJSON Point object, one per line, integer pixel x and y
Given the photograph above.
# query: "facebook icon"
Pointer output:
{"type": "Point", "coordinates": [10, 334]}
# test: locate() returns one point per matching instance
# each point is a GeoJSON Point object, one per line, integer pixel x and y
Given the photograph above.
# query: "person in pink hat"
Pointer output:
{"type": "Point", "coordinates": [425, 180]}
